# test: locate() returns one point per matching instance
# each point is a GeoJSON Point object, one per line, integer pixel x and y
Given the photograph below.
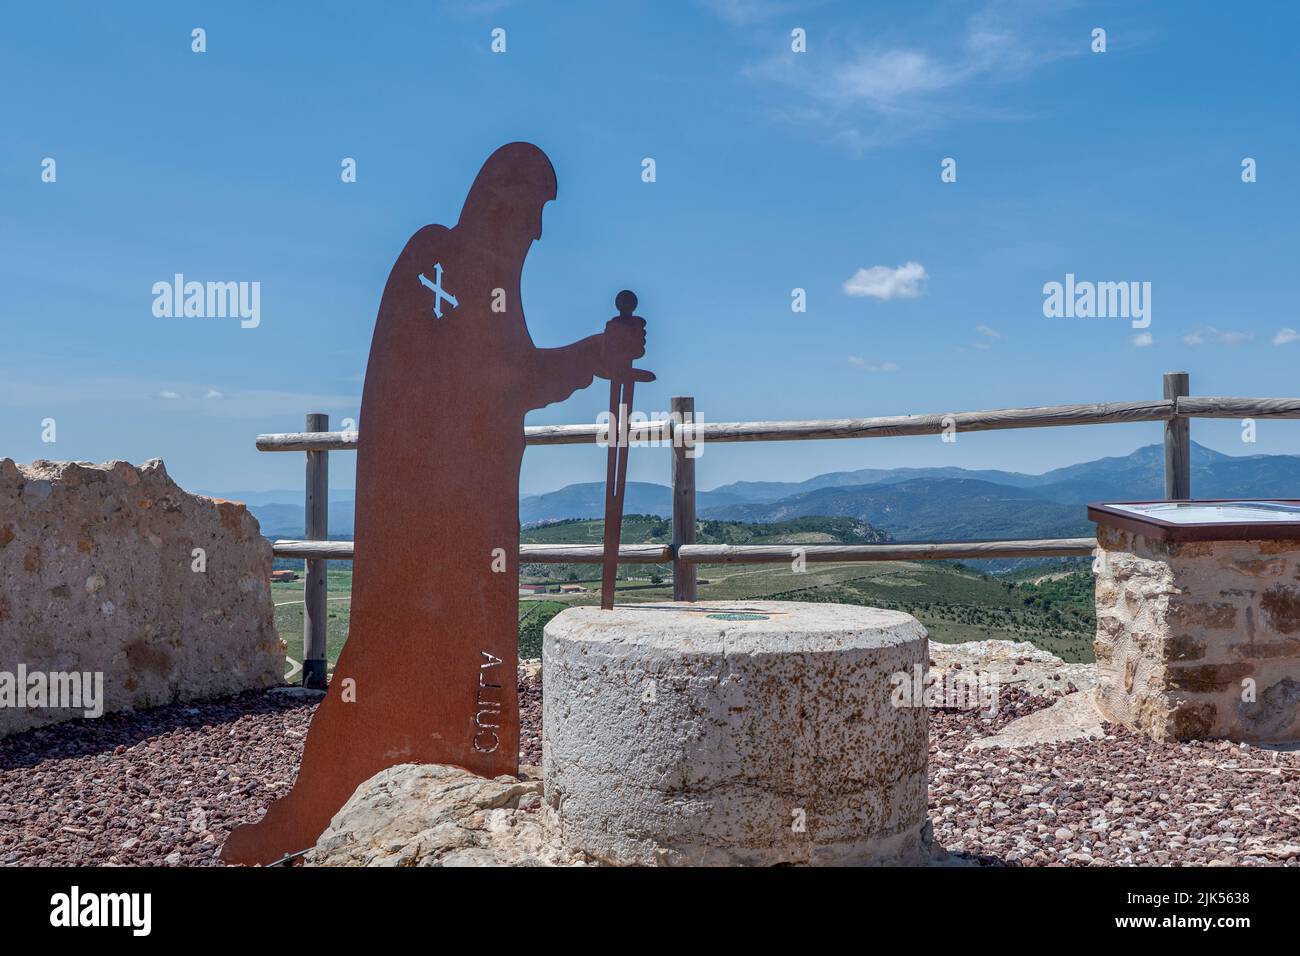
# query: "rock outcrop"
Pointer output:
{"type": "Point", "coordinates": [115, 570]}
{"type": "Point", "coordinates": [433, 815]}
{"type": "Point", "coordinates": [1020, 664]}
{"type": "Point", "coordinates": [1013, 664]}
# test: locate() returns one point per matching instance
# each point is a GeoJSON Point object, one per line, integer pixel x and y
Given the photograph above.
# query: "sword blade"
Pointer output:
{"type": "Point", "coordinates": [620, 406]}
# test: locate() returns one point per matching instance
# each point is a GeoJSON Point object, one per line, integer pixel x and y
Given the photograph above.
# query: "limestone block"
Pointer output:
{"type": "Point", "coordinates": [99, 575]}
{"type": "Point", "coordinates": [722, 733]}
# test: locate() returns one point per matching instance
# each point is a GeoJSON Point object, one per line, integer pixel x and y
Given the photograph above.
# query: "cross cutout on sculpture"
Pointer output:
{"type": "Point", "coordinates": [439, 293]}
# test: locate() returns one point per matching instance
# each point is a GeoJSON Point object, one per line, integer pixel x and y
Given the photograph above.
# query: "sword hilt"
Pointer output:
{"type": "Point", "coordinates": [626, 302]}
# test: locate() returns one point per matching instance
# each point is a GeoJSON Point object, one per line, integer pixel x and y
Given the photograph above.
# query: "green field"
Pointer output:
{"type": "Point", "coordinates": [288, 600]}
{"type": "Point", "coordinates": [955, 603]}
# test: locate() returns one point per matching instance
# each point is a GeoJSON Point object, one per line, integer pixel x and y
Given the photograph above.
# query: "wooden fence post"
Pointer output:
{"type": "Point", "coordinates": [684, 585]}
{"type": "Point", "coordinates": [316, 586]}
{"type": "Point", "coordinates": [1178, 442]}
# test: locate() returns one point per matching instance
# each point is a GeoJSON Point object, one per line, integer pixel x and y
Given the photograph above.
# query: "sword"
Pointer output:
{"type": "Point", "coordinates": [620, 407]}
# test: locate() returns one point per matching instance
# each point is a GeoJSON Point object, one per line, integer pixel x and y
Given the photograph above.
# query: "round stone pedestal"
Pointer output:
{"type": "Point", "coordinates": [722, 733]}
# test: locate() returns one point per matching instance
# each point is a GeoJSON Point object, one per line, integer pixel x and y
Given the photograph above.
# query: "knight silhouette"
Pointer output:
{"type": "Point", "coordinates": [428, 673]}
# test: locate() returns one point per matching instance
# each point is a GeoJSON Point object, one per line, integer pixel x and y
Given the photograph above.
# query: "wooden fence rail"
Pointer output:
{"type": "Point", "coordinates": [1175, 409]}
{"type": "Point", "coordinates": [998, 419]}
{"type": "Point", "coordinates": [748, 553]}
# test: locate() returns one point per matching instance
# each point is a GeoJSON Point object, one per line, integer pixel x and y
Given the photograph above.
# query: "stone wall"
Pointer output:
{"type": "Point", "coordinates": [98, 574]}
{"type": "Point", "coordinates": [1199, 640]}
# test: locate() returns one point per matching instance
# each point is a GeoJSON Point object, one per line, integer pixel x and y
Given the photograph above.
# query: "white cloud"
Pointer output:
{"type": "Point", "coordinates": [877, 92]}
{"type": "Point", "coordinates": [1286, 337]}
{"type": "Point", "coordinates": [169, 395]}
{"type": "Point", "coordinates": [987, 332]}
{"type": "Point", "coordinates": [1143, 339]}
{"type": "Point", "coordinates": [884, 283]}
{"type": "Point", "coordinates": [858, 362]}
{"type": "Point", "coordinates": [213, 393]}
{"type": "Point", "coordinates": [1209, 333]}
{"type": "Point", "coordinates": [886, 77]}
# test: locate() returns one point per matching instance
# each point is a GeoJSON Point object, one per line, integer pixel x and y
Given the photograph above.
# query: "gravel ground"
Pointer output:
{"type": "Point", "coordinates": [1121, 800]}
{"type": "Point", "coordinates": [153, 787]}
{"type": "Point", "coordinates": [530, 721]}
{"type": "Point", "coordinates": [165, 786]}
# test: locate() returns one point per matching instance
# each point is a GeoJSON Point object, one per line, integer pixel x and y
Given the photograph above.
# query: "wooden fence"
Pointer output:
{"type": "Point", "coordinates": [1175, 410]}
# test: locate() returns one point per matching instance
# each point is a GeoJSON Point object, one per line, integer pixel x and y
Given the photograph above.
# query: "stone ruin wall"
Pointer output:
{"type": "Point", "coordinates": [1181, 626]}
{"type": "Point", "coordinates": [97, 574]}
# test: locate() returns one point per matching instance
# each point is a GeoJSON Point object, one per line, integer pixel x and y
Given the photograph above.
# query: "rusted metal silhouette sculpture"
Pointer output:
{"type": "Point", "coordinates": [428, 674]}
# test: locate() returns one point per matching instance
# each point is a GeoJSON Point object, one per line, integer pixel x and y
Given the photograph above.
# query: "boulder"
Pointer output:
{"type": "Point", "coordinates": [435, 815]}
{"type": "Point", "coordinates": [116, 574]}
{"type": "Point", "coordinates": [1013, 664]}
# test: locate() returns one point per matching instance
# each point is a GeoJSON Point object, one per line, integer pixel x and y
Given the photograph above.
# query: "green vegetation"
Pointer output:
{"type": "Point", "coordinates": [533, 616]}
{"type": "Point", "coordinates": [1051, 607]}
{"type": "Point", "coordinates": [288, 600]}
{"type": "Point", "coordinates": [958, 605]}
{"type": "Point", "coordinates": [651, 529]}
{"type": "Point", "coordinates": [637, 529]}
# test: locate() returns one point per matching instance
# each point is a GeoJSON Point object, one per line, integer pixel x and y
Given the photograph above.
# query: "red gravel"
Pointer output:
{"type": "Point", "coordinates": [163, 786]}
{"type": "Point", "coordinates": [530, 721]}
{"type": "Point", "coordinates": [166, 786]}
{"type": "Point", "coordinates": [152, 787]}
{"type": "Point", "coordinates": [1122, 800]}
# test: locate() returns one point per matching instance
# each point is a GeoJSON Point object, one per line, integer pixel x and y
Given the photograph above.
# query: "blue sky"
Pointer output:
{"type": "Point", "coordinates": [774, 170]}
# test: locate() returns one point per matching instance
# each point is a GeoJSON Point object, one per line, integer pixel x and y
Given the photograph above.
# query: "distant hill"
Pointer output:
{"type": "Point", "coordinates": [286, 520]}
{"type": "Point", "coordinates": [775, 490]}
{"type": "Point", "coordinates": [587, 500]}
{"type": "Point", "coordinates": [909, 503]}
{"type": "Point", "coordinates": [654, 529]}
{"type": "Point", "coordinates": [280, 511]}
{"type": "Point", "coordinates": [279, 496]}
{"type": "Point", "coordinates": [949, 503]}
{"type": "Point", "coordinates": [927, 509]}
{"type": "Point", "coordinates": [1139, 475]}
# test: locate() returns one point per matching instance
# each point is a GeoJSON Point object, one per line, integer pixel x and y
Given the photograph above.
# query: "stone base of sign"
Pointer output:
{"type": "Point", "coordinates": [735, 733]}
{"type": "Point", "coordinates": [1199, 640]}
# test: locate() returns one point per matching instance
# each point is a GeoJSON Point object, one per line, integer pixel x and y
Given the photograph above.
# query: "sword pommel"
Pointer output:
{"type": "Point", "coordinates": [625, 302]}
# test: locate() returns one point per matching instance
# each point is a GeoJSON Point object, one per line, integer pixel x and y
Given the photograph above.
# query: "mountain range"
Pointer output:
{"type": "Point", "coordinates": [911, 504]}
